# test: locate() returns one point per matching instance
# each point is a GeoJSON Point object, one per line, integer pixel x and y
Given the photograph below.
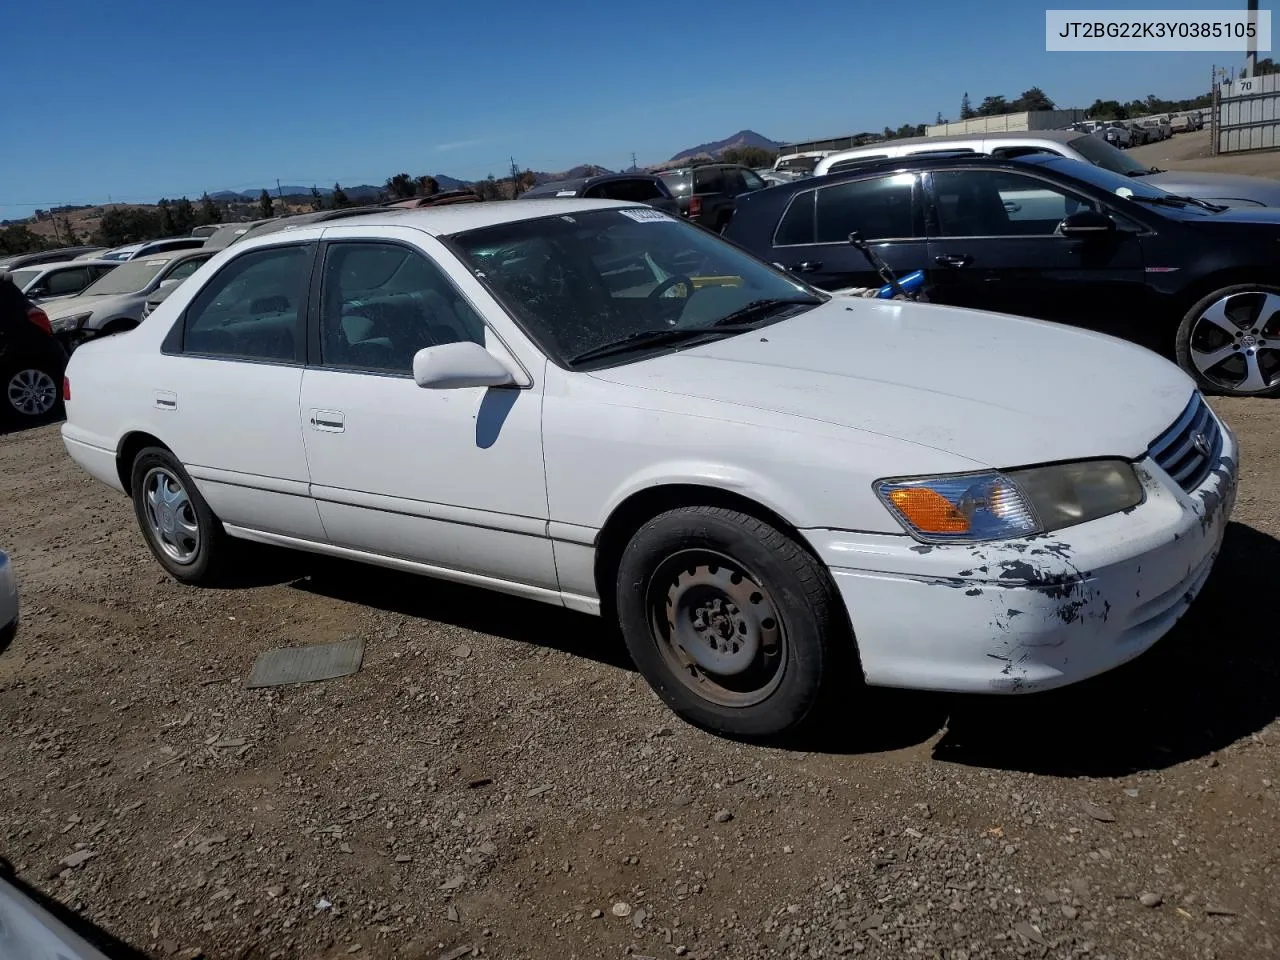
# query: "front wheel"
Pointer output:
{"type": "Point", "coordinates": [1230, 341]}
{"type": "Point", "coordinates": [181, 530]}
{"type": "Point", "coordinates": [730, 621]}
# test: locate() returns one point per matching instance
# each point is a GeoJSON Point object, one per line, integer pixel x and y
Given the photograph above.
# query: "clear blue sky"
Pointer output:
{"type": "Point", "coordinates": [136, 100]}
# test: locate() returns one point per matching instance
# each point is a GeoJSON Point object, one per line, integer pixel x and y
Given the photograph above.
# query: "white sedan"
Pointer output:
{"type": "Point", "coordinates": [598, 406]}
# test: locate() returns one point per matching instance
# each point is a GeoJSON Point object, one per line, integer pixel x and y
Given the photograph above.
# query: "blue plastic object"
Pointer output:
{"type": "Point", "coordinates": [912, 282]}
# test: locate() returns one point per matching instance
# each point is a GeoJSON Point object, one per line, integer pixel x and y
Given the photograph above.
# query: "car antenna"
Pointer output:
{"type": "Point", "coordinates": [877, 264]}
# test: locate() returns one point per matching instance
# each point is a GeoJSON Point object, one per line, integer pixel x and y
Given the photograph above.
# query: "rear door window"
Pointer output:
{"type": "Point", "coordinates": [635, 190]}
{"type": "Point", "coordinates": [796, 226]}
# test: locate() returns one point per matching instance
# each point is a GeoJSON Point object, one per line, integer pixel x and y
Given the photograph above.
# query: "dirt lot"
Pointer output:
{"type": "Point", "coordinates": [497, 780]}
{"type": "Point", "coordinates": [1190, 151]}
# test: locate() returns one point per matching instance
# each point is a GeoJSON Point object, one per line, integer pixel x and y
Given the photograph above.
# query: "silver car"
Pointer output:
{"type": "Point", "coordinates": [115, 303]}
{"type": "Point", "coordinates": [42, 282]}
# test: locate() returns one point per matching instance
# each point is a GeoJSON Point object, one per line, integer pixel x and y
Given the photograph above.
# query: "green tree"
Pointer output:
{"type": "Point", "coordinates": [209, 211]}
{"type": "Point", "coordinates": [266, 208]}
{"type": "Point", "coordinates": [993, 107]}
{"type": "Point", "coordinates": [121, 225]}
{"type": "Point", "coordinates": [966, 108]}
{"type": "Point", "coordinates": [750, 156]}
{"type": "Point", "coordinates": [18, 238]}
{"type": "Point", "coordinates": [340, 198]}
{"type": "Point", "coordinates": [317, 201]}
{"type": "Point", "coordinates": [68, 233]}
{"type": "Point", "coordinates": [401, 186]}
{"type": "Point", "coordinates": [426, 186]}
{"type": "Point", "coordinates": [1033, 99]}
{"type": "Point", "coordinates": [184, 216]}
{"type": "Point", "coordinates": [165, 211]}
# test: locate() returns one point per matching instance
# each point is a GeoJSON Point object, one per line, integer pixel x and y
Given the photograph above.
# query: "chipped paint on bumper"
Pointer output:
{"type": "Point", "coordinates": [1035, 613]}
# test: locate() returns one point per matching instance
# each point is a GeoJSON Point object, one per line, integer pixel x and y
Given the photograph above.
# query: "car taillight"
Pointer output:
{"type": "Point", "coordinates": [695, 206]}
{"type": "Point", "coordinates": [40, 319]}
{"type": "Point", "coordinates": [66, 389]}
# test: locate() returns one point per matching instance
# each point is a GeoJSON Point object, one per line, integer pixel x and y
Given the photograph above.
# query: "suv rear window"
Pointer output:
{"type": "Point", "coordinates": [708, 180]}
{"type": "Point", "coordinates": [677, 181]}
{"type": "Point", "coordinates": [636, 190]}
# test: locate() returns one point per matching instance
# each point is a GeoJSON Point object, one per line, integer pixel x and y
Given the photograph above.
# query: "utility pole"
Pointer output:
{"type": "Point", "coordinates": [1251, 55]}
{"type": "Point", "coordinates": [515, 179]}
{"type": "Point", "coordinates": [633, 159]}
{"type": "Point", "coordinates": [279, 193]}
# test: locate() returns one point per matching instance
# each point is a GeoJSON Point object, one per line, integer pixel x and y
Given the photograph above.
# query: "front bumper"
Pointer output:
{"type": "Point", "coordinates": [1040, 612]}
{"type": "Point", "coordinates": [8, 602]}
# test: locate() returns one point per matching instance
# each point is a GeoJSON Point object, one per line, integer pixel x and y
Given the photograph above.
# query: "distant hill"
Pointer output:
{"type": "Point", "coordinates": [743, 138]}
{"type": "Point", "coordinates": [582, 170]}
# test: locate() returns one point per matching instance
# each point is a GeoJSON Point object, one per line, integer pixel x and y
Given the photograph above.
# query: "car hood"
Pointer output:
{"type": "Point", "coordinates": [998, 390]}
{"type": "Point", "coordinates": [1217, 186]}
{"type": "Point", "coordinates": [82, 304]}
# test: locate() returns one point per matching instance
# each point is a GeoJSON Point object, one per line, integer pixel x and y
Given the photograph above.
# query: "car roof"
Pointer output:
{"type": "Point", "coordinates": [169, 254]}
{"type": "Point", "coordinates": [55, 264]}
{"type": "Point", "coordinates": [888, 164]}
{"type": "Point", "coordinates": [451, 218]}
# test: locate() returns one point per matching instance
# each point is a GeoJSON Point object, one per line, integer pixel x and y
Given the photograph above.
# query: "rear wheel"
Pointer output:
{"type": "Point", "coordinates": [31, 393]}
{"type": "Point", "coordinates": [1230, 341]}
{"type": "Point", "coordinates": [181, 530]}
{"type": "Point", "coordinates": [729, 620]}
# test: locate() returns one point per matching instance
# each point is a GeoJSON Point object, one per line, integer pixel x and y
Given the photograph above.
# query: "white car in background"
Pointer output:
{"type": "Point", "coordinates": [9, 608]}
{"type": "Point", "coordinates": [52, 281]}
{"type": "Point", "coordinates": [599, 406]}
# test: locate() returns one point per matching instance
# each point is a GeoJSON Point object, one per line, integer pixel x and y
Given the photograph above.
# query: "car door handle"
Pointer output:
{"type": "Point", "coordinates": [165, 400]}
{"type": "Point", "coordinates": [953, 259]}
{"type": "Point", "coordinates": [808, 266]}
{"type": "Point", "coordinates": [329, 421]}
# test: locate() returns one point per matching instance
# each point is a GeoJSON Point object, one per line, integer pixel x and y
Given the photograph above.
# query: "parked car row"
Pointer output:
{"type": "Point", "coordinates": [777, 492]}
{"type": "Point", "coordinates": [1039, 235]}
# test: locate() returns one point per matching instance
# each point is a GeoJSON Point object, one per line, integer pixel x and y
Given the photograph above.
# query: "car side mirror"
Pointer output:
{"type": "Point", "coordinates": [169, 284]}
{"type": "Point", "coordinates": [450, 366]}
{"type": "Point", "coordinates": [1086, 223]}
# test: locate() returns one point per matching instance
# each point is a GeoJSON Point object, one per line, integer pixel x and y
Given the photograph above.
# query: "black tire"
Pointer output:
{"type": "Point", "coordinates": [17, 381]}
{"type": "Point", "coordinates": [209, 555]}
{"type": "Point", "coordinates": [807, 646]}
{"type": "Point", "coordinates": [1265, 346]}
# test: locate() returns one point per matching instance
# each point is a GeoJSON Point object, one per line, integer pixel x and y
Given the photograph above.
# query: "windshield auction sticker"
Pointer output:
{"type": "Point", "coordinates": [1152, 31]}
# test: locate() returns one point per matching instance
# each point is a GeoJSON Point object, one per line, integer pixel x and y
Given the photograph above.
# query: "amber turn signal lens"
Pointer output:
{"type": "Point", "coordinates": [928, 511]}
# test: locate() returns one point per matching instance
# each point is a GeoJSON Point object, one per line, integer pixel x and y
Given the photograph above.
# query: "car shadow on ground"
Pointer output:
{"type": "Point", "coordinates": [513, 618]}
{"type": "Point", "coordinates": [1214, 679]}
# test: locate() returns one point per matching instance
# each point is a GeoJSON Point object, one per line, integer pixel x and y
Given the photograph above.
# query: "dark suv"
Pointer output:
{"type": "Point", "coordinates": [631, 187]}
{"type": "Point", "coordinates": [705, 191]}
{"type": "Point", "coordinates": [31, 360]}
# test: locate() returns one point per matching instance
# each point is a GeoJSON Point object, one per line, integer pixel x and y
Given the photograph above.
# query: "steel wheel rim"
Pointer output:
{"type": "Point", "coordinates": [717, 628]}
{"type": "Point", "coordinates": [171, 516]}
{"type": "Point", "coordinates": [32, 392]}
{"type": "Point", "coordinates": [1235, 342]}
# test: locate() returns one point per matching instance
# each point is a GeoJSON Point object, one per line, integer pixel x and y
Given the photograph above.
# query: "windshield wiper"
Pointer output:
{"type": "Point", "coordinates": [654, 338]}
{"type": "Point", "coordinates": [759, 309]}
{"type": "Point", "coordinates": [1177, 200]}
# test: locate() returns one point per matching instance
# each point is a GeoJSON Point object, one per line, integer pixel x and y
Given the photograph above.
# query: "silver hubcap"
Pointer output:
{"type": "Point", "coordinates": [718, 628]}
{"type": "Point", "coordinates": [171, 516]}
{"type": "Point", "coordinates": [32, 392]}
{"type": "Point", "coordinates": [1235, 343]}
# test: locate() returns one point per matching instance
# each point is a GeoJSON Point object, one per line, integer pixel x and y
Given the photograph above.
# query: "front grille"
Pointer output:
{"type": "Point", "coordinates": [1188, 450]}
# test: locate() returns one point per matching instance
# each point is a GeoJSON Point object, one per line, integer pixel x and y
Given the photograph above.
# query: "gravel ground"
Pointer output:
{"type": "Point", "coordinates": [497, 781]}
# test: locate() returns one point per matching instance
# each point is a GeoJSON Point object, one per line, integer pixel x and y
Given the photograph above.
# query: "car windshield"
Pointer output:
{"type": "Point", "coordinates": [23, 278]}
{"type": "Point", "coordinates": [1102, 154]}
{"type": "Point", "coordinates": [129, 277]}
{"type": "Point", "coordinates": [582, 282]}
{"type": "Point", "coordinates": [1122, 186]}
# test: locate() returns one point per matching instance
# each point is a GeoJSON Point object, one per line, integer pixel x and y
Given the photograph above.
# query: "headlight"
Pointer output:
{"type": "Point", "coordinates": [1002, 505]}
{"type": "Point", "coordinates": [68, 324]}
